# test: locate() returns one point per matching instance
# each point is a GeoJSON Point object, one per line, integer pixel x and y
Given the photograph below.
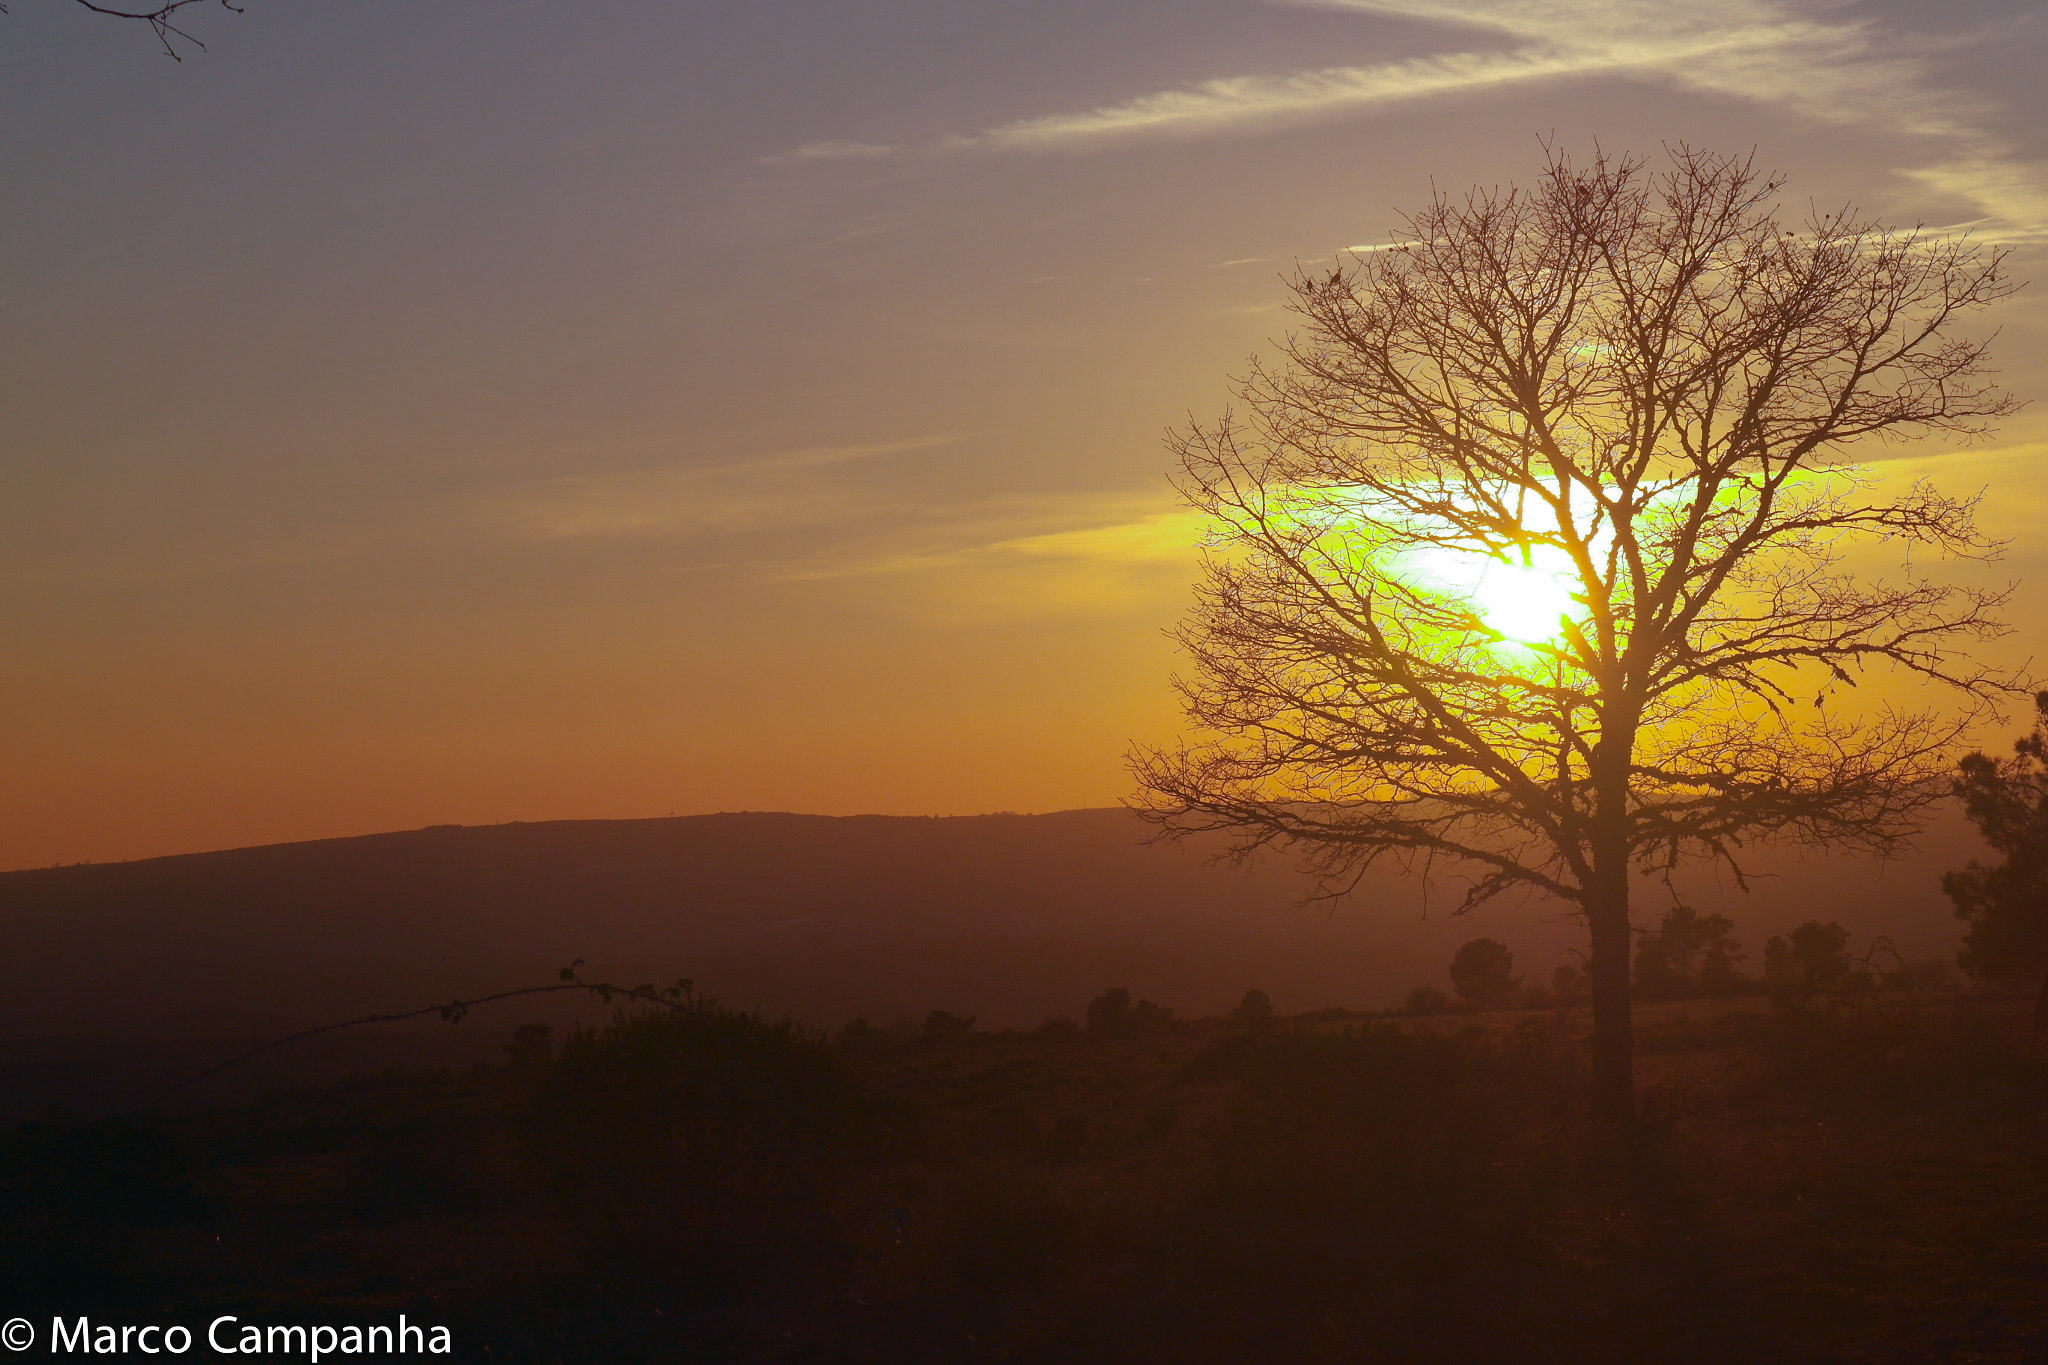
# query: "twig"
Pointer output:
{"type": "Point", "coordinates": [159, 21]}
{"type": "Point", "coordinates": [674, 997]}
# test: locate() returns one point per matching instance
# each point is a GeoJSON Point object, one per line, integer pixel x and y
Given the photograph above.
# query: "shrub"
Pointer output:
{"type": "Point", "coordinates": [1114, 1011]}
{"type": "Point", "coordinates": [861, 1034]}
{"type": "Point", "coordinates": [1371, 1178]}
{"type": "Point", "coordinates": [530, 1048]}
{"type": "Point", "coordinates": [1426, 1000]}
{"type": "Point", "coordinates": [1254, 1011]}
{"type": "Point", "coordinates": [1147, 1014]}
{"type": "Point", "coordinates": [1110, 1010]}
{"type": "Point", "coordinates": [946, 1024]}
{"type": "Point", "coordinates": [694, 1144]}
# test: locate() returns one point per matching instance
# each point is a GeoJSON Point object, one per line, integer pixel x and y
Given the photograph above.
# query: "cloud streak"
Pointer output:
{"type": "Point", "coordinates": [784, 490]}
{"type": "Point", "coordinates": [1847, 73]}
{"type": "Point", "coordinates": [1833, 72]}
{"type": "Point", "coordinates": [830, 151]}
{"type": "Point", "coordinates": [1126, 532]}
{"type": "Point", "coordinates": [949, 563]}
{"type": "Point", "coordinates": [1128, 554]}
{"type": "Point", "coordinates": [1250, 103]}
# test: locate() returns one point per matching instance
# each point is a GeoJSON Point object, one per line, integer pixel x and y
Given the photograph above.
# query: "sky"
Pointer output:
{"type": "Point", "coordinates": [477, 410]}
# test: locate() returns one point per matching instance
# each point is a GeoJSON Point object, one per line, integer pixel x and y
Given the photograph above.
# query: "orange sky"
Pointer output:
{"type": "Point", "coordinates": [482, 411]}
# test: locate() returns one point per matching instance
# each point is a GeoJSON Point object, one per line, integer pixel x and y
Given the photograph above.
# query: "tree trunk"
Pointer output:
{"type": "Point", "coordinates": [1614, 1047]}
{"type": "Point", "coordinates": [2041, 1008]}
{"type": "Point", "coordinates": [1614, 1041]}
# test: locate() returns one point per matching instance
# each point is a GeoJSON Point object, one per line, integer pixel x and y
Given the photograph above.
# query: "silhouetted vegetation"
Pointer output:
{"type": "Point", "coordinates": [1425, 1000]}
{"type": "Point", "coordinates": [2007, 905]}
{"type": "Point", "coordinates": [1115, 1012]}
{"type": "Point", "coordinates": [1255, 1010]}
{"type": "Point", "coordinates": [1811, 961]}
{"type": "Point", "coordinates": [1689, 955]}
{"type": "Point", "coordinates": [946, 1024]}
{"type": "Point", "coordinates": [1482, 972]}
{"type": "Point", "coordinates": [1857, 1177]}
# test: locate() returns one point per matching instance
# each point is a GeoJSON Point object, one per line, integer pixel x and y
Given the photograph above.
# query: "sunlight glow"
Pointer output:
{"type": "Point", "coordinates": [1527, 603]}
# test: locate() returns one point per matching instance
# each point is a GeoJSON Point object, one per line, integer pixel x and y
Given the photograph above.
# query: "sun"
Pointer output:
{"type": "Point", "coordinates": [1526, 603]}
{"type": "Point", "coordinates": [1526, 599]}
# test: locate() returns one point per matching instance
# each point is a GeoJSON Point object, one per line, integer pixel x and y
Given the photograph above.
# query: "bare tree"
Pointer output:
{"type": "Point", "coordinates": [1528, 548]}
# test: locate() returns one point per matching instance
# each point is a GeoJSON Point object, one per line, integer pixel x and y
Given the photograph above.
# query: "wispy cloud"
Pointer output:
{"type": "Point", "coordinates": [1246, 103]}
{"type": "Point", "coordinates": [1835, 72]}
{"type": "Point", "coordinates": [1137, 532]}
{"type": "Point", "coordinates": [789, 489]}
{"type": "Point", "coordinates": [830, 151]}
{"type": "Point", "coordinates": [2011, 195]}
{"type": "Point", "coordinates": [1085, 555]}
{"type": "Point", "coordinates": [1839, 72]}
{"type": "Point", "coordinates": [1842, 71]}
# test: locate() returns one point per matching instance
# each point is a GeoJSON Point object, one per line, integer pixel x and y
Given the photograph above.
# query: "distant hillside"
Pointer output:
{"type": "Point", "coordinates": [1008, 917]}
{"type": "Point", "coordinates": [294, 931]}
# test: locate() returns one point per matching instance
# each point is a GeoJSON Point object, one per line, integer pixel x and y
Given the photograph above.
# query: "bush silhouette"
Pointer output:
{"type": "Point", "coordinates": [1426, 1000]}
{"type": "Point", "coordinates": [693, 1144]}
{"type": "Point", "coordinates": [1254, 1010]}
{"type": "Point", "coordinates": [1148, 1014]}
{"type": "Point", "coordinates": [1114, 1011]}
{"type": "Point", "coordinates": [860, 1034]}
{"type": "Point", "coordinates": [530, 1048]}
{"type": "Point", "coordinates": [946, 1024]}
{"type": "Point", "coordinates": [1110, 1011]}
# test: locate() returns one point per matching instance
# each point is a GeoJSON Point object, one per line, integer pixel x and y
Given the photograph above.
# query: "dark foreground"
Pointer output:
{"type": "Point", "coordinates": [1868, 1185]}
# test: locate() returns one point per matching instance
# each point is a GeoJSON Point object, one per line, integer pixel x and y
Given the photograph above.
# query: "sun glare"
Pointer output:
{"type": "Point", "coordinates": [1523, 594]}
{"type": "Point", "coordinates": [1525, 602]}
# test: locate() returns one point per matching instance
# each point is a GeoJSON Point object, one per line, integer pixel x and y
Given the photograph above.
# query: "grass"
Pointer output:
{"type": "Point", "coordinates": [1859, 1187]}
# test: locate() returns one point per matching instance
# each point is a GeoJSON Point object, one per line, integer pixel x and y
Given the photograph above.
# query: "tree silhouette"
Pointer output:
{"type": "Point", "coordinates": [1812, 959]}
{"type": "Point", "coordinates": [2007, 905]}
{"type": "Point", "coordinates": [1523, 550]}
{"type": "Point", "coordinates": [1482, 972]}
{"type": "Point", "coordinates": [1688, 954]}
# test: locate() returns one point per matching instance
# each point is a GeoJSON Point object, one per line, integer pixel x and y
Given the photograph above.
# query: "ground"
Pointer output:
{"type": "Point", "coordinates": [1859, 1184]}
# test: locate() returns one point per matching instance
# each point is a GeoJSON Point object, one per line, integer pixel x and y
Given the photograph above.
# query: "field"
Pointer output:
{"type": "Point", "coordinates": [1858, 1185]}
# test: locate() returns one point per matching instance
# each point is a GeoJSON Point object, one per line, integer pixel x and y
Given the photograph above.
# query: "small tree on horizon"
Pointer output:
{"type": "Point", "coordinates": [1525, 559]}
{"type": "Point", "coordinates": [1811, 960]}
{"type": "Point", "coordinates": [1482, 972]}
{"type": "Point", "coordinates": [1688, 954]}
{"type": "Point", "coordinates": [1254, 1010]}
